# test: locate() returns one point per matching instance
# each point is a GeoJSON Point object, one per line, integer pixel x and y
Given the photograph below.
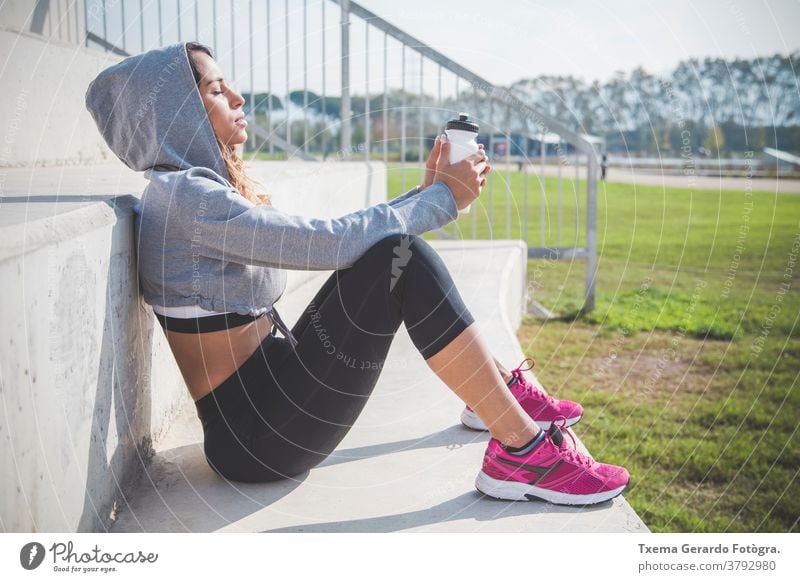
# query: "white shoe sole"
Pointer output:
{"type": "Point", "coordinates": [473, 421]}
{"type": "Point", "coordinates": [515, 491]}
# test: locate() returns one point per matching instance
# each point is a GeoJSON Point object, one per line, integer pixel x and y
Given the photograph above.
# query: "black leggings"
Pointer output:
{"type": "Point", "coordinates": [283, 411]}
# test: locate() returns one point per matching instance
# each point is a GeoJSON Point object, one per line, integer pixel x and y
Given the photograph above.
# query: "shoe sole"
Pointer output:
{"type": "Point", "coordinates": [473, 421]}
{"type": "Point", "coordinates": [515, 491]}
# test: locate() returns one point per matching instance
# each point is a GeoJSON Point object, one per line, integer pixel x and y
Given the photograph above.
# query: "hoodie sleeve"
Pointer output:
{"type": "Point", "coordinates": [405, 196]}
{"type": "Point", "coordinates": [225, 226]}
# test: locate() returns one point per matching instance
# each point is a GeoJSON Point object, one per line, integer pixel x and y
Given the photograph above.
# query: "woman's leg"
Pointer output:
{"type": "Point", "coordinates": [470, 370]}
{"type": "Point", "coordinates": [343, 338]}
{"type": "Point", "coordinates": [305, 320]}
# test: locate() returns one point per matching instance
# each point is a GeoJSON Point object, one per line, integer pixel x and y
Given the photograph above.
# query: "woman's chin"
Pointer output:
{"type": "Point", "coordinates": [237, 138]}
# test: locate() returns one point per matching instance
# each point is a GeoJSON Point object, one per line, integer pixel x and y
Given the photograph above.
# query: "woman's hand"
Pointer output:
{"type": "Point", "coordinates": [465, 178]}
{"type": "Point", "coordinates": [430, 165]}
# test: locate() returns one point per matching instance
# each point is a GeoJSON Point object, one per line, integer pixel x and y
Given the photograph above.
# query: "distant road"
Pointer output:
{"type": "Point", "coordinates": [656, 178]}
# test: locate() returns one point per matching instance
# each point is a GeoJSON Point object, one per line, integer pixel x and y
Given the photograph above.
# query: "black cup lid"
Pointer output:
{"type": "Point", "coordinates": [463, 123]}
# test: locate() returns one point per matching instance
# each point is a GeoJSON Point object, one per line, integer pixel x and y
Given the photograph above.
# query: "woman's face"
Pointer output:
{"type": "Point", "coordinates": [222, 103]}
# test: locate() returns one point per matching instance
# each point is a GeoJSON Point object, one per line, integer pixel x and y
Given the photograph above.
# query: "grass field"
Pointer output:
{"type": "Point", "coordinates": [688, 367]}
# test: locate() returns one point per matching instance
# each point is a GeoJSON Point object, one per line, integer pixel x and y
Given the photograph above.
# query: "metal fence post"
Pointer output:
{"type": "Point", "coordinates": [252, 110]}
{"type": "Point", "coordinates": [288, 80]}
{"type": "Point", "coordinates": [345, 111]}
{"type": "Point", "coordinates": [591, 230]}
{"type": "Point", "coordinates": [367, 125]}
{"type": "Point", "coordinates": [269, 76]}
{"type": "Point", "coordinates": [305, 76]}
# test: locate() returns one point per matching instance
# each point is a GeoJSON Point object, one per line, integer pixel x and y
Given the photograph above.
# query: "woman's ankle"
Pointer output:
{"type": "Point", "coordinates": [519, 439]}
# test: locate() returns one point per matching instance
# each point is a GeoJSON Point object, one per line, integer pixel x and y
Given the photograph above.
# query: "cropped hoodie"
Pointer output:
{"type": "Point", "coordinates": [199, 242]}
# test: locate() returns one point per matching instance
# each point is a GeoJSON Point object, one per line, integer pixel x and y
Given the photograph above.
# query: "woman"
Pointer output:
{"type": "Point", "coordinates": [212, 260]}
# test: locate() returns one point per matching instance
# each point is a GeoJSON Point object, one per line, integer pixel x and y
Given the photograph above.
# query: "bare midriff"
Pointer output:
{"type": "Point", "coordinates": [208, 359]}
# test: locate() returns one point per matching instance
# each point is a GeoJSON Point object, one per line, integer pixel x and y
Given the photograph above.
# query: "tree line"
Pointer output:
{"type": "Point", "coordinates": [725, 106]}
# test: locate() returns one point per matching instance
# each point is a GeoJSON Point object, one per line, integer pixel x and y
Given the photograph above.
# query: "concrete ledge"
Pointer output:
{"type": "Point", "coordinates": [407, 465]}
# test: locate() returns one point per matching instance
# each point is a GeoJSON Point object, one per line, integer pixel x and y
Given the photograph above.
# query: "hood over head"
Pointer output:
{"type": "Point", "coordinates": [151, 115]}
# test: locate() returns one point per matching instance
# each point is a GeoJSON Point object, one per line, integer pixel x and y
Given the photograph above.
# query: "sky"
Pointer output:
{"type": "Point", "coordinates": [505, 40]}
{"type": "Point", "coordinates": [501, 40]}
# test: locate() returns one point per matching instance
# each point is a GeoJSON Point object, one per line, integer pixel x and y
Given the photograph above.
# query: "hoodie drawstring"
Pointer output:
{"type": "Point", "coordinates": [285, 331]}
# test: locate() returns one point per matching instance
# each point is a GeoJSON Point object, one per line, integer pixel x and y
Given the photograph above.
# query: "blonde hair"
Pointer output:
{"type": "Point", "coordinates": [233, 161]}
{"type": "Point", "coordinates": [245, 185]}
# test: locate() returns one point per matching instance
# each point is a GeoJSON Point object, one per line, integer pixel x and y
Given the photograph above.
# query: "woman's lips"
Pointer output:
{"type": "Point", "coordinates": [241, 122]}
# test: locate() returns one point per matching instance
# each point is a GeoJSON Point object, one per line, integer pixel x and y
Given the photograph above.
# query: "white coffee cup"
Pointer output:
{"type": "Point", "coordinates": [462, 133]}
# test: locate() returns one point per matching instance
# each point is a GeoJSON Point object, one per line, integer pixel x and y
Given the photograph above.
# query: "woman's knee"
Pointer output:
{"type": "Point", "coordinates": [402, 248]}
{"type": "Point", "coordinates": [393, 243]}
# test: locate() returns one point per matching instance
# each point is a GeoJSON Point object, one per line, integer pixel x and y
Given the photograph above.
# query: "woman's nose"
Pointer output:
{"type": "Point", "coordinates": [236, 100]}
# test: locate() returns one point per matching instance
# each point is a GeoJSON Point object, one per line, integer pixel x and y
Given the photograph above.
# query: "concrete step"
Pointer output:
{"type": "Point", "coordinates": [407, 464]}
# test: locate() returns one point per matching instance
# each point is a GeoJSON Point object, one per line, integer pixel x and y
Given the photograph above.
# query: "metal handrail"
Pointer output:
{"type": "Point", "coordinates": [537, 124]}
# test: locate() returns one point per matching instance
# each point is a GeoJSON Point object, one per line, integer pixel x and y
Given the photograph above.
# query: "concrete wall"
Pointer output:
{"type": "Point", "coordinates": [42, 115]}
{"type": "Point", "coordinates": [55, 20]}
{"type": "Point", "coordinates": [86, 379]}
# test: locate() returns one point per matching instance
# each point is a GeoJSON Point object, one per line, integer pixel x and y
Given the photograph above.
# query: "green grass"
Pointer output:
{"type": "Point", "coordinates": [688, 367]}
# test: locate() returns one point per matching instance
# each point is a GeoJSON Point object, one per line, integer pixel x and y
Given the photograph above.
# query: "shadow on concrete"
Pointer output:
{"type": "Point", "coordinates": [454, 436]}
{"type": "Point", "coordinates": [468, 506]}
{"type": "Point", "coordinates": [472, 506]}
{"type": "Point", "coordinates": [181, 493]}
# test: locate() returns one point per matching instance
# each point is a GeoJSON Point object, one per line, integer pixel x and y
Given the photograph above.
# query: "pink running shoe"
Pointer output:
{"type": "Point", "coordinates": [553, 471]}
{"type": "Point", "coordinates": [539, 405]}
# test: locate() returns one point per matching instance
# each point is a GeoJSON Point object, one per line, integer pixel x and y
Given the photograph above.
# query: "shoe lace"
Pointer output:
{"type": "Point", "coordinates": [529, 389]}
{"type": "Point", "coordinates": [572, 454]}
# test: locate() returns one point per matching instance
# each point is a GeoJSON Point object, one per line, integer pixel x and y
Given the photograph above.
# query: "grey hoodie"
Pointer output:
{"type": "Point", "coordinates": [199, 241]}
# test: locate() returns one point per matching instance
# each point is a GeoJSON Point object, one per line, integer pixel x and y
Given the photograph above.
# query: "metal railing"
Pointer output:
{"type": "Point", "coordinates": [241, 36]}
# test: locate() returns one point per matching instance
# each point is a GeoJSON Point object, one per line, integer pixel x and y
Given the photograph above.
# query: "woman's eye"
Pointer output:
{"type": "Point", "coordinates": [216, 92]}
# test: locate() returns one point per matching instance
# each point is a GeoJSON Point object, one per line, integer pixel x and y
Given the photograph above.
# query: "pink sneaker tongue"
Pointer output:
{"type": "Point", "coordinates": [555, 435]}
